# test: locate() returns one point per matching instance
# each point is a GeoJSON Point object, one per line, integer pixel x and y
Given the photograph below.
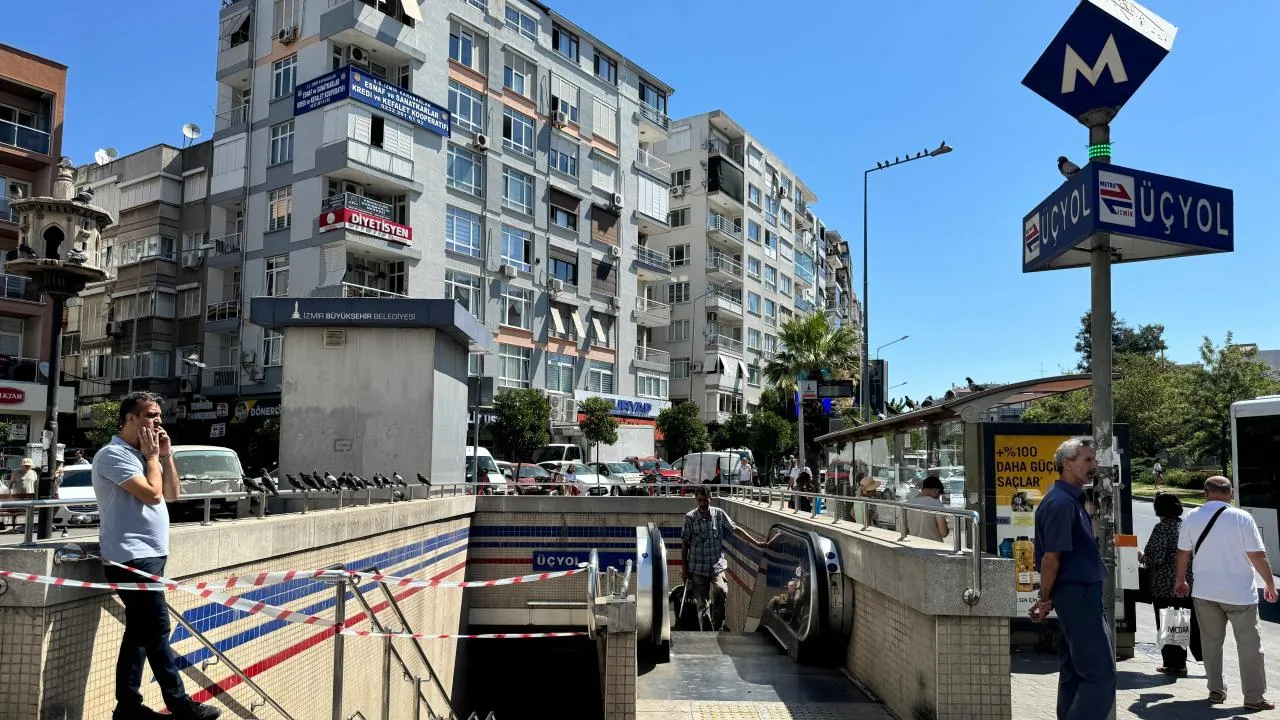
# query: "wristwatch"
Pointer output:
{"type": "Point", "coordinates": [165, 457]}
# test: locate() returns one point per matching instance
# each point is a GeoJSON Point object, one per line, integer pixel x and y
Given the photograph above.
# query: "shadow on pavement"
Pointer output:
{"type": "Point", "coordinates": [1185, 709]}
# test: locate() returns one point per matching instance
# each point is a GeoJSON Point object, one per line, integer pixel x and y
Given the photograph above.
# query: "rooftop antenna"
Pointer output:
{"type": "Point", "coordinates": [191, 131]}
{"type": "Point", "coordinates": [105, 155]}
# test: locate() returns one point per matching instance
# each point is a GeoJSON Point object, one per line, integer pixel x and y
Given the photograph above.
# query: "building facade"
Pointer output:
{"type": "Point", "coordinates": [32, 97]}
{"type": "Point", "coordinates": [336, 173]}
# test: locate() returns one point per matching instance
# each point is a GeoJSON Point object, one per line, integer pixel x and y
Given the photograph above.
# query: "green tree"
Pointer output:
{"type": "Point", "coordinates": [734, 433]}
{"type": "Point", "coordinates": [772, 400]}
{"type": "Point", "coordinates": [598, 424]}
{"type": "Point", "coordinates": [772, 438]}
{"type": "Point", "coordinates": [682, 429]}
{"type": "Point", "coordinates": [810, 344]}
{"type": "Point", "coordinates": [1226, 374]}
{"type": "Point", "coordinates": [104, 423]}
{"type": "Point", "coordinates": [1146, 340]}
{"type": "Point", "coordinates": [522, 418]}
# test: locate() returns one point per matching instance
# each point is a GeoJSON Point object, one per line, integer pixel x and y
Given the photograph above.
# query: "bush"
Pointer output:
{"type": "Point", "coordinates": [1182, 478]}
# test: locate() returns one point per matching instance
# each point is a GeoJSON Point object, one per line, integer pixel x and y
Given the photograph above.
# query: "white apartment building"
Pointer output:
{"type": "Point", "coordinates": [336, 173]}
{"type": "Point", "coordinates": [744, 254]}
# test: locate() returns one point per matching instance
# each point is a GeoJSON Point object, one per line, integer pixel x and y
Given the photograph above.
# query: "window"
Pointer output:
{"type": "Point", "coordinates": [678, 330]}
{"type": "Point", "coordinates": [462, 231]}
{"type": "Point", "coordinates": [606, 68]}
{"type": "Point", "coordinates": [784, 284]}
{"type": "Point", "coordinates": [753, 231]}
{"type": "Point", "coordinates": [753, 267]}
{"type": "Point", "coordinates": [463, 289]}
{"type": "Point", "coordinates": [753, 338]}
{"type": "Point", "coordinates": [770, 308]}
{"type": "Point", "coordinates": [148, 364]}
{"type": "Point", "coordinates": [148, 248]}
{"type": "Point", "coordinates": [564, 270]}
{"type": "Point", "coordinates": [753, 303]}
{"type": "Point", "coordinates": [513, 366]}
{"type": "Point", "coordinates": [652, 386]}
{"type": "Point", "coordinates": [466, 171]}
{"type": "Point", "coordinates": [771, 279]}
{"type": "Point", "coordinates": [522, 23]}
{"type": "Point", "coordinates": [604, 120]}
{"type": "Point", "coordinates": [677, 293]}
{"type": "Point", "coordinates": [517, 75]}
{"type": "Point", "coordinates": [189, 303]}
{"type": "Point", "coordinates": [463, 47]}
{"type": "Point", "coordinates": [277, 284]}
{"type": "Point", "coordinates": [564, 98]}
{"type": "Point", "coordinates": [272, 348]}
{"type": "Point", "coordinates": [681, 178]}
{"type": "Point", "coordinates": [679, 368]}
{"type": "Point", "coordinates": [753, 375]}
{"type": "Point", "coordinates": [517, 248]}
{"type": "Point", "coordinates": [564, 209]}
{"type": "Point", "coordinates": [653, 97]}
{"type": "Point", "coordinates": [475, 364]}
{"type": "Point", "coordinates": [753, 196]}
{"type": "Point", "coordinates": [604, 225]}
{"type": "Point", "coordinates": [517, 307]}
{"type": "Point", "coordinates": [678, 254]}
{"type": "Point", "coordinates": [678, 217]}
{"type": "Point", "coordinates": [284, 76]}
{"type": "Point", "coordinates": [786, 218]}
{"type": "Point", "coordinates": [517, 132]}
{"type": "Point", "coordinates": [559, 373]}
{"type": "Point", "coordinates": [563, 155]}
{"type": "Point", "coordinates": [600, 377]}
{"type": "Point", "coordinates": [563, 321]}
{"type": "Point", "coordinates": [11, 336]}
{"type": "Point", "coordinates": [771, 204]}
{"type": "Point", "coordinates": [770, 243]}
{"type": "Point", "coordinates": [564, 42]}
{"type": "Point", "coordinates": [755, 158]}
{"type": "Point", "coordinates": [517, 190]}
{"type": "Point", "coordinates": [604, 173]}
{"type": "Point", "coordinates": [397, 278]}
{"type": "Point", "coordinates": [466, 106]}
{"type": "Point", "coordinates": [282, 143]}
{"type": "Point", "coordinates": [280, 208]}
{"type": "Point", "coordinates": [602, 330]}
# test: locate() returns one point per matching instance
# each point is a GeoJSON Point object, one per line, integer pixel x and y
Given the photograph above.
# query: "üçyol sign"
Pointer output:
{"type": "Point", "coordinates": [12, 396]}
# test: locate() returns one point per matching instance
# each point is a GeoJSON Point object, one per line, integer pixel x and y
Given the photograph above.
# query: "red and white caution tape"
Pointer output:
{"type": "Point", "coordinates": [65, 582]}
{"type": "Point", "coordinates": [398, 581]}
{"type": "Point", "coordinates": [482, 636]}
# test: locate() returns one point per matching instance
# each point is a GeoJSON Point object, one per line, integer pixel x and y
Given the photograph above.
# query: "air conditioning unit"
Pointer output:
{"type": "Point", "coordinates": [509, 271]}
{"type": "Point", "coordinates": [192, 259]}
{"type": "Point", "coordinates": [615, 251]}
{"type": "Point", "coordinates": [677, 191]}
{"type": "Point", "coordinates": [782, 192]}
{"type": "Point", "coordinates": [287, 35]}
{"type": "Point", "coordinates": [248, 356]}
{"type": "Point", "coordinates": [615, 304]}
{"type": "Point", "coordinates": [352, 187]}
{"type": "Point", "coordinates": [357, 56]}
{"type": "Point", "coordinates": [561, 118]}
{"type": "Point", "coordinates": [555, 285]}
{"type": "Point", "coordinates": [617, 200]}
{"type": "Point", "coordinates": [480, 142]}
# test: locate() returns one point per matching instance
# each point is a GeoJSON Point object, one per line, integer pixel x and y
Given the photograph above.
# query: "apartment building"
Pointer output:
{"type": "Point", "coordinates": [744, 253]}
{"type": "Point", "coordinates": [32, 97]}
{"type": "Point", "coordinates": [491, 152]}
{"type": "Point", "coordinates": [138, 329]}
{"type": "Point", "coordinates": [842, 305]}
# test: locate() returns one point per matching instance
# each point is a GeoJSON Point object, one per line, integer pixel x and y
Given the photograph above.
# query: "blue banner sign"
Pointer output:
{"type": "Point", "coordinates": [357, 84]}
{"type": "Point", "coordinates": [551, 560]}
{"type": "Point", "coordinates": [1104, 52]}
{"type": "Point", "coordinates": [1146, 216]}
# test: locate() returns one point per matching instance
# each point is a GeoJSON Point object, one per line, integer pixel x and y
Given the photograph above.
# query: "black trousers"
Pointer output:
{"type": "Point", "coordinates": [146, 638]}
{"type": "Point", "coordinates": [1175, 656]}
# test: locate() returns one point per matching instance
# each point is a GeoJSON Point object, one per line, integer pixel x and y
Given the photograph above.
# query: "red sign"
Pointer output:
{"type": "Point", "coordinates": [12, 396]}
{"type": "Point", "coordinates": [363, 222]}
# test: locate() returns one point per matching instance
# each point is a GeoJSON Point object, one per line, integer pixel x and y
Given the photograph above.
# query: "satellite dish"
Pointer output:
{"type": "Point", "coordinates": [191, 131]}
{"type": "Point", "coordinates": [106, 155]}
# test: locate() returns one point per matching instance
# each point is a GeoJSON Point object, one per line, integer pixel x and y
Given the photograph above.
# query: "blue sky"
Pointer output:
{"type": "Point", "coordinates": [832, 88]}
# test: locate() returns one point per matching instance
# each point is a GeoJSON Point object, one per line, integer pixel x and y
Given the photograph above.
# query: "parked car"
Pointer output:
{"type": "Point", "coordinates": [532, 480]}
{"type": "Point", "coordinates": [623, 477]}
{"type": "Point", "coordinates": [490, 472]}
{"type": "Point", "coordinates": [208, 469]}
{"type": "Point", "coordinates": [656, 466]}
{"type": "Point", "coordinates": [700, 468]}
{"type": "Point", "coordinates": [587, 482]}
{"type": "Point", "coordinates": [557, 452]}
{"type": "Point", "coordinates": [77, 484]}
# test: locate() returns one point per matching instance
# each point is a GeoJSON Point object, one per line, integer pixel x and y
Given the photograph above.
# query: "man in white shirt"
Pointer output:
{"type": "Point", "coordinates": [744, 472]}
{"type": "Point", "coordinates": [1227, 548]}
{"type": "Point", "coordinates": [928, 525]}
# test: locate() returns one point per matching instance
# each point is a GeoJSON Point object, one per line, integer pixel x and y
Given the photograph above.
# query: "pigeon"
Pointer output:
{"type": "Point", "coordinates": [84, 195]}
{"type": "Point", "coordinates": [975, 387]}
{"type": "Point", "coordinates": [251, 486]}
{"type": "Point", "coordinates": [423, 479]}
{"type": "Point", "coordinates": [16, 192]}
{"type": "Point", "coordinates": [395, 475]}
{"type": "Point", "coordinates": [1066, 167]}
{"type": "Point", "coordinates": [330, 481]}
{"type": "Point", "coordinates": [264, 479]}
{"type": "Point", "coordinates": [27, 250]}
{"type": "Point", "coordinates": [293, 483]}
{"type": "Point", "coordinates": [312, 481]}
{"type": "Point", "coordinates": [77, 257]}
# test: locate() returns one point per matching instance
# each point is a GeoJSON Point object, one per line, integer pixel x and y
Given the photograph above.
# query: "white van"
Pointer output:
{"type": "Point", "coordinates": [489, 472]}
{"type": "Point", "coordinates": [700, 468]}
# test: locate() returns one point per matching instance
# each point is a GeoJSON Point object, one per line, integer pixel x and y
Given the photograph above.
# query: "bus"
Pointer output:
{"type": "Point", "coordinates": [1255, 466]}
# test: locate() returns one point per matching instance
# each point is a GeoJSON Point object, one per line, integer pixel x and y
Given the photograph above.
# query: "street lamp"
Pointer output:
{"type": "Point", "coordinates": [904, 337]}
{"type": "Point", "coordinates": [942, 149]}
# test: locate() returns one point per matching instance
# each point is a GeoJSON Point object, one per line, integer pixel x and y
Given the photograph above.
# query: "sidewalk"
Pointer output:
{"type": "Point", "coordinates": [1144, 693]}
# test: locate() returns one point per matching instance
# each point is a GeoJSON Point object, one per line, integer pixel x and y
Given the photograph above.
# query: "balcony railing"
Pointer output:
{"type": "Point", "coordinates": [362, 203]}
{"type": "Point", "coordinates": [653, 162]}
{"type": "Point", "coordinates": [17, 287]}
{"type": "Point", "coordinates": [7, 214]}
{"type": "Point", "coordinates": [653, 258]}
{"type": "Point", "coordinates": [801, 206]}
{"type": "Point", "coordinates": [23, 137]}
{"type": "Point", "coordinates": [721, 342]}
{"type": "Point", "coordinates": [718, 222]}
{"type": "Point", "coordinates": [221, 376]}
{"type": "Point", "coordinates": [379, 159]}
{"type": "Point", "coordinates": [651, 355]}
{"type": "Point", "coordinates": [227, 245]}
{"type": "Point", "coordinates": [645, 305]}
{"type": "Point", "coordinates": [655, 116]}
{"type": "Point", "coordinates": [804, 273]}
{"type": "Point", "coordinates": [720, 261]}
{"type": "Point", "coordinates": [24, 369]}
{"type": "Point", "coordinates": [351, 290]}
{"type": "Point", "coordinates": [228, 119]}
{"type": "Point", "coordinates": [804, 305]}
{"type": "Point", "coordinates": [226, 310]}
{"type": "Point", "coordinates": [720, 147]}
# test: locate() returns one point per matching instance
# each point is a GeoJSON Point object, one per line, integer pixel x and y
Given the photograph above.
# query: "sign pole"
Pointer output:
{"type": "Point", "coordinates": [800, 417]}
{"type": "Point", "coordinates": [1103, 407]}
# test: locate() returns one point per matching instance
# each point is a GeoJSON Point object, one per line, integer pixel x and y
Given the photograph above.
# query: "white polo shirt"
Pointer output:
{"type": "Point", "coordinates": [1222, 571]}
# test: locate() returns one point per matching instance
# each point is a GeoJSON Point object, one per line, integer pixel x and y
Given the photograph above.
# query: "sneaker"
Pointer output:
{"type": "Point", "coordinates": [193, 710]}
{"type": "Point", "coordinates": [136, 712]}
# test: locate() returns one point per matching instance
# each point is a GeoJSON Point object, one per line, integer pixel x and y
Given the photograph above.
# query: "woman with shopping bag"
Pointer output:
{"type": "Point", "coordinates": [1175, 616]}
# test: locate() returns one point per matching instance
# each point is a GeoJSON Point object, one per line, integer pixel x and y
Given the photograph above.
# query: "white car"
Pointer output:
{"type": "Point", "coordinates": [623, 477]}
{"type": "Point", "coordinates": [587, 482]}
{"type": "Point", "coordinates": [77, 484]}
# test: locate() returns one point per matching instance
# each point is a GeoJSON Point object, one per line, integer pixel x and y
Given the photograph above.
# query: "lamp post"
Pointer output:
{"type": "Point", "coordinates": [57, 236]}
{"type": "Point", "coordinates": [942, 149]}
{"type": "Point", "coordinates": [904, 337]}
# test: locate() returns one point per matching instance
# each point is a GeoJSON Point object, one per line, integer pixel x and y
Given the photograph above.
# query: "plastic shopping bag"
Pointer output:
{"type": "Point", "coordinates": [1175, 627]}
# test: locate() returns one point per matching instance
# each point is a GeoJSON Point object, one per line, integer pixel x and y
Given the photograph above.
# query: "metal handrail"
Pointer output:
{"type": "Point", "coordinates": [389, 651]}
{"type": "Point", "coordinates": [417, 644]}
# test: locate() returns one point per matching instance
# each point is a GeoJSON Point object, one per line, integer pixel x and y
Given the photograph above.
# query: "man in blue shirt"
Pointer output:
{"type": "Point", "coordinates": [133, 477]}
{"type": "Point", "coordinates": [1071, 575]}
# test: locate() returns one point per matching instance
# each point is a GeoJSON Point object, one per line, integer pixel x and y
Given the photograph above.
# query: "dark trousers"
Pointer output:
{"type": "Point", "coordinates": [1175, 656]}
{"type": "Point", "coordinates": [146, 638]}
{"type": "Point", "coordinates": [1087, 677]}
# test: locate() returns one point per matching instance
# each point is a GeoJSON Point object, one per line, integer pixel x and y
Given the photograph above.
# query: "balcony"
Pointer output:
{"type": "Point", "coordinates": [804, 274]}
{"type": "Point", "coordinates": [391, 37]}
{"type": "Point", "coordinates": [234, 66]}
{"type": "Point", "coordinates": [653, 123]}
{"type": "Point", "coordinates": [380, 160]}
{"type": "Point", "coordinates": [17, 287]}
{"type": "Point", "coordinates": [715, 417]}
{"type": "Point", "coordinates": [656, 166]}
{"type": "Point", "coordinates": [351, 290]}
{"type": "Point", "coordinates": [721, 343]}
{"type": "Point", "coordinates": [220, 377]}
{"type": "Point", "coordinates": [222, 317]}
{"type": "Point", "coordinates": [651, 313]}
{"type": "Point", "coordinates": [232, 120]}
{"type": "Point", "coordinates": [648, 358]}
{"type": "Point", "coordinates": [728, 305]}
{"type": "Point", "coordinates": [804, 305]}
{"type": "Point", "coordinates": [725, 230]}
{"type": "Point", "coordinates": [733, 152]}
{"type": "Point", "coordinates": [7, 214]}
{"type": "Point", "coordinates": [723, 267]}
{"type": "Point", "coordinates": [651, 264]}
{"type": "Point", "coordinates": [225, 250]}
{"type": "Point", "coordinates": [23, 137]}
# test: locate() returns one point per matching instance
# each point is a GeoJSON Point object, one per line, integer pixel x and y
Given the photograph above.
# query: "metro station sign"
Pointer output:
{"type": "Point", "coordinates": [366, 223]}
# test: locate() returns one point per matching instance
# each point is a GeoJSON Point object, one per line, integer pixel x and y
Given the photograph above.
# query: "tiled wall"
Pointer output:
{"type": "Point", "coordinates": [618, 675]}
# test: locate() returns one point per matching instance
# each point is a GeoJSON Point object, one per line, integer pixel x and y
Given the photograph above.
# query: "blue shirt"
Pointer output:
{"type": "Point", "coordinates": [1063, 526]}
{"type": "Point", "coordinates": [131, 529]}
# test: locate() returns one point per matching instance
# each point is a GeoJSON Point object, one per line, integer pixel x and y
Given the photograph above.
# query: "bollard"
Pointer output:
{"type": "Point", "coordinates": [262, 506]}
{"type": "Point", "coordinates": [208, 511]}
{"type": "Point", "coordinates": [28, 527]}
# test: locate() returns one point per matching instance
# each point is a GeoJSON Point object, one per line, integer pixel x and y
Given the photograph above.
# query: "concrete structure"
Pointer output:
{"type": "Point", "coordinates": [528, 210]}
{"type": "Point", "coordinates": [32, 96]}
{"type": "Point", "coordinates": [744, 254]}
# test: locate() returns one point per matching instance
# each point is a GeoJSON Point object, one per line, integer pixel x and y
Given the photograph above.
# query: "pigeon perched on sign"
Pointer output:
{"type": "Point", "coordinates": [1066, 167]}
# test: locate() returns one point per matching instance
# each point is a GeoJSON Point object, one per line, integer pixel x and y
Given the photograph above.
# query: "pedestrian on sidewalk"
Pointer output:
{"type": "Point", "coordinates": [1161, 558]}
{"type": "Point", "coordinates": [1224, 546]}
{"type": "Point", "coordinates": [1071, 575]}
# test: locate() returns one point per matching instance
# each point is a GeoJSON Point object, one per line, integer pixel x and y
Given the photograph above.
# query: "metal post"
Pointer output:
{"type": "Point", "coordinates": [864, 385]}
{"type": "Point", "coordinates": [44, 488]}
{"type": "Point", "coordinates": [339, 617]}
{"type": "Point", "coordinates": [475, 430]}
{"type": "Point", "coordinates": [1103, 409]}
{"type": "Point", "coordinates": [386, 678]}
{"type": "Point", "coordinates": [800, 422]}
{"type": "Point", "coordinates": [417, 698]}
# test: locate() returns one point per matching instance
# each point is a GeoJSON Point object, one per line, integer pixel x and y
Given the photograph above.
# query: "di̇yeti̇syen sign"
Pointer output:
{"type": "Point", "coordinates": [367, 223]}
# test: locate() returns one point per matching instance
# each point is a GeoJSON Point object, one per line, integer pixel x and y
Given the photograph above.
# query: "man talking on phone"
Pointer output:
{"type": "Point", "coordinates": [133, 477]}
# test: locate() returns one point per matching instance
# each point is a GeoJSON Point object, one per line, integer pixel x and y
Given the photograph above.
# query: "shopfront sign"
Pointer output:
{"type": "Point", "coordinates": [12, 395]}
{"type": "Point", "coordinates": [365, 223]}
{"type": "Point", "coordinates": [357, 84]}
{"type": "Point", "coordinates": [624, 406]}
